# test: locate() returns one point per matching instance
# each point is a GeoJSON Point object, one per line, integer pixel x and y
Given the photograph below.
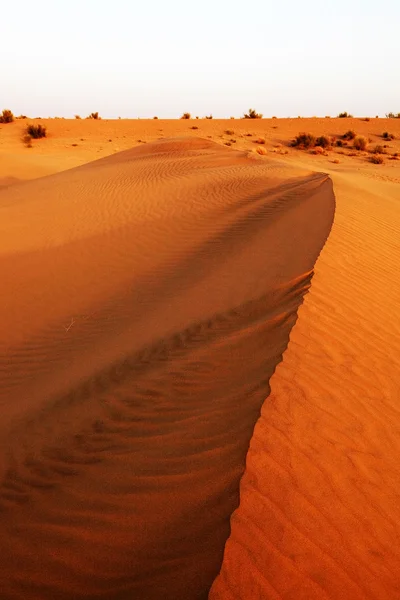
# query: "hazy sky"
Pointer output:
{"type": "Point", "coordinates": [139, 59]}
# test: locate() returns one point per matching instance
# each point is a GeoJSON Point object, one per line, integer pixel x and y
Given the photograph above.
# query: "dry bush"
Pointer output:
{"type": "Point", "coordinates": [94, 115]}
{"type": "Point", "coordinates": [194, 127]}
{"type": "Point", "coordinates": [77, 117]}
{"type": "Point", "coordinates": [304, 141]}
{"type": "Point", "coordinates": [252, 114]}
{"type": "Point", "coordinates": [27, 140]}
{"type": "Point", "coordinates": [21, 117]}
{"type": "Point", "coordinates": [6, 116]}
{"type": "Point", "coordinates": [228, 144]}
{"type": "Point", "coordinates": [345, 115]}
{"type": "Point", "coordinates": [323, 141]}
{"type": "Point", "coordinates": [376, 159]}
{"type": "Point", "coordinates": [349, 135]}
{"type": "Point", "coordinates": [378, 149]}
{"type": "Point", "coordinates": [209, 117]}
{"type": "Point", "coordinates": [155, 117]}
{"type": "Point", "coordinates": [387, 136]}
{"type": "Point", "coordinates": [366, 119]}
{"type": "Point", "coordinates": [186, 116]}
{"type": "Point", "coordinates": [36, 131]}
{"type": "Point", "coordinates": [392, 115]}
{"type": "Point", "coordinates": [360, 142]}
{"type": "Point", "coordinates": [229, 131]}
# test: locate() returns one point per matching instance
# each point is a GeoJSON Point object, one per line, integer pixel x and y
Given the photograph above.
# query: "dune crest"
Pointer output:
{"type": "Point", "coordinates": [148, 298]}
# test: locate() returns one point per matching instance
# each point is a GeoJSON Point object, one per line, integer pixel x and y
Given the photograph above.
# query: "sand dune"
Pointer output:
{"type": "Point", "coordinates": [147, 299]}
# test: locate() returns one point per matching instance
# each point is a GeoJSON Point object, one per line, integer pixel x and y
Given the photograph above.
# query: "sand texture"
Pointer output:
{"type": "Point", "coordinates": [148, 298]}
{"type": "Point", "coordinates": [146, 301]}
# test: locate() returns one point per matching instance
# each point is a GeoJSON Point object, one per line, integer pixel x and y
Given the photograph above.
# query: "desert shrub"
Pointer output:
{"type": "Point", "coordinates": [36, 131]}
{"type": "Point", "coordinates": [194, 127]}
{"type": "Point", "coordinates": [387, 136]}
{"type": "Point", "coordinates": [360, 142]}
{"type": "Point", "coordinates": [231, 118]}
{"type": "Point", "coordinates": [376, 159]}
{"type": "Point", "coordinates": [345, 115]}
{"type": "Point", "coordinates": [366, 119]}
{"type": "Point", "coordinates": [339, 143]}
{"type": "Point", "coordinates": [6, 116]}
{"type": "Point", "coordinates": [318, 150]}
{"type": "Point", "coordinates": [349, 135]}
{"type": "Point", "coordinates": [229, 131]}
{"type": "Point", "coordinates": [77, 117]}
{"type": "Point", "coordinates": [323, 141]}
{"type": "Point", "coordinates": [155, 117]}
{"type": "Point", "coordinates": [27, 140]}
{"type": "Point", "coordinates": [378, 149]}
{"type": "Point", "coordinates": [392, 115]}
{"type": "Point", "coordinates": [252, 114]}
{"type": "Point", "coordinates": [228, 144]}
{"type": "Point", "coordinates": [186, 116]}
{"type": "Point", "coordinates": [93, 115]}
{"type": "Point", "coordinates": [304, 141]}
{"type": "Point", "coordinates": [22, 117]}
{"type": "Point", "coordinates": [209, 117]}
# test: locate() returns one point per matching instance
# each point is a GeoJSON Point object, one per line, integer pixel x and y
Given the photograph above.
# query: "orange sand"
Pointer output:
{"type": "Point", "coordinates": [148, 299]}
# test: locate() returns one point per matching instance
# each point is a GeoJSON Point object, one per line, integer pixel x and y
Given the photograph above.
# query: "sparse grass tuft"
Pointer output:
{"type": "Point", "coordinates": [360, 142]}
{"type": "Point", "coordinates": [252, 114]}
{"type": "Point", "coordinates": [36, 131]}
{"type": "Point", "coordinates": [6, 116]}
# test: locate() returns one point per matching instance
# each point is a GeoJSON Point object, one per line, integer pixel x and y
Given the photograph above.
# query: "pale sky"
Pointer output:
{"type": "Point", "coordinates": [139, 59]}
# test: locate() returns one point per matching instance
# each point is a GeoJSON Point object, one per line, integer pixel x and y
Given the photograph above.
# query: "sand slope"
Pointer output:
{"type": "Point", "coordinates": [147, 299]}
{"type": "Point", "coordinates": [320, 500]}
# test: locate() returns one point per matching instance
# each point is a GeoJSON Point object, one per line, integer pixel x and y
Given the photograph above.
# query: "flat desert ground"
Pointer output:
{"type": "Point", "coordinates": [199, 362]}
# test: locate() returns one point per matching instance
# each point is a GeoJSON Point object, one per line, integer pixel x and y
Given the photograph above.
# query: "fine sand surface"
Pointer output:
{"type": "Point", "coordinates": [148, 298]}
{"type": "Point", "coordinates": [319, 513]}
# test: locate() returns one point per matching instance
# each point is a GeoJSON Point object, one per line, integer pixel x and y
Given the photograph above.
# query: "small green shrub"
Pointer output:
{"type": "Point", "coordinates": [360, 142]}
{"type": "Point", "coordinates": [36, 131]}
{"type": "Point", "coordinates": [6, 116]}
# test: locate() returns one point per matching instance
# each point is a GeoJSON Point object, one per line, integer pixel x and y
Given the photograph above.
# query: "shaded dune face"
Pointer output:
{"type": "Point", "coordinates": [148, 298]}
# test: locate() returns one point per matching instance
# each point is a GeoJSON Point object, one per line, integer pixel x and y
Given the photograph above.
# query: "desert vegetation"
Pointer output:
{"type": "Point", "coordinates": [392, 115]}
{"type": "Point", "coordinates": [186, 115]}
{"type": "Point", "coordinates": [6, 116]}
{"type": "Point", "coordinates": [376, 159]}
{"type": "Point", "coordinates": [344, 115]}
{"type": "Point", "coordinates": [360, 142]}
{"type": "Point", "coordinates": [387, 136]}
{"type": "Point", "coordinates": [252, 114]}
{"type": "Point", "coordinates": [304, 141]}
{"type": "Point", "coordinates": [349, 135]}
{"type": "Point", "coordinates": [36, 131]}
{"type": "Point", "coordinates": [94, 115]}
